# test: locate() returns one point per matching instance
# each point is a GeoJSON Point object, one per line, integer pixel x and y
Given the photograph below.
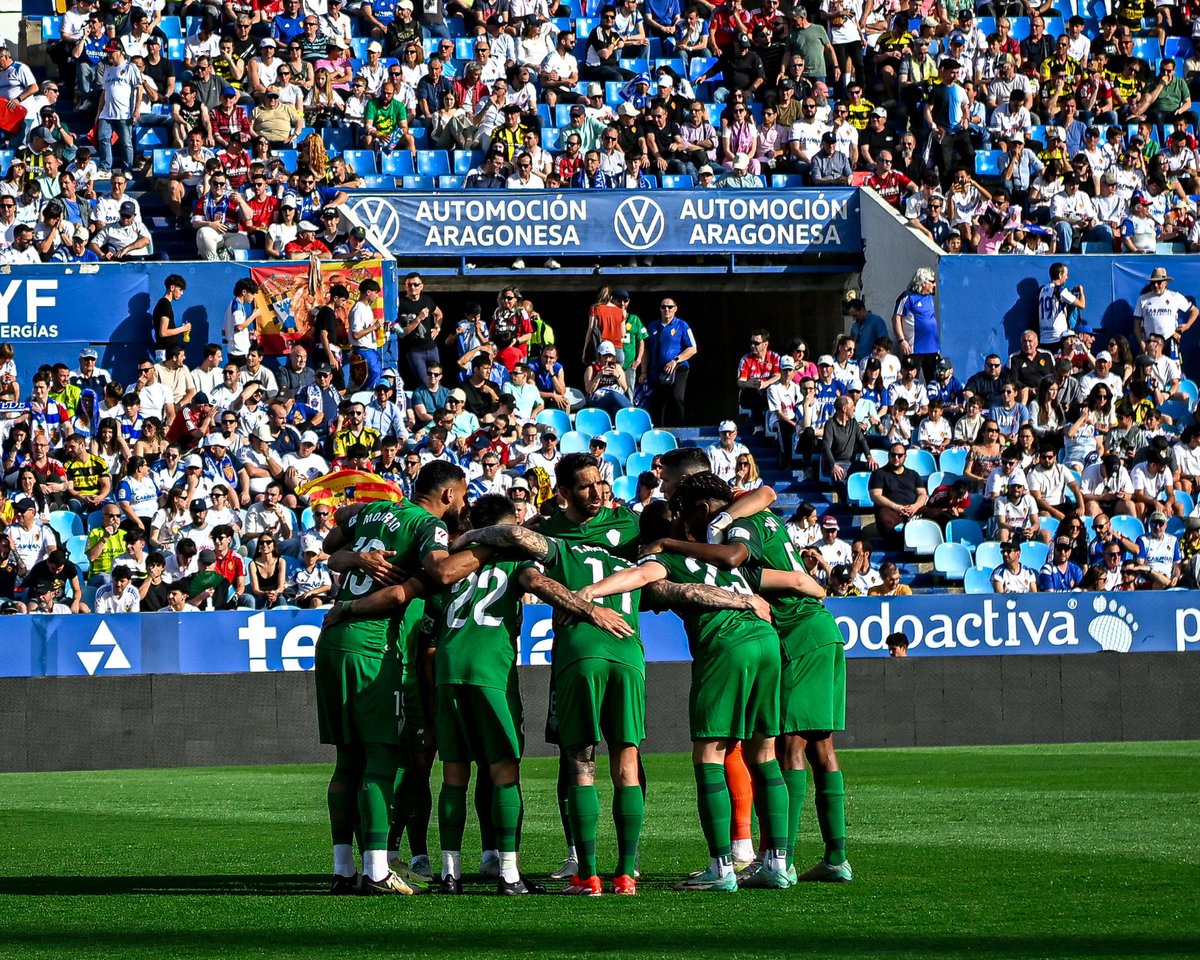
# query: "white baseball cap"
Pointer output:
{"type": "Point", "coordinates": [309, 437]}
{"type": "Point", "coordinates": [606, 349]}
{"type": "Point", "coordinates": [1104, 355]}
{"type": "Point", "coordinates": [727, 426]}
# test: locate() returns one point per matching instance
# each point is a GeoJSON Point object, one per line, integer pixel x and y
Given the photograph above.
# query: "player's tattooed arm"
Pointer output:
{"type": "Point", "coordinates": [665, 593]}
{"type": "Point", "coordinates": [562, 599]}
{"type": "Point", "coordinates": [747, 505]}
{"type": "Point", "coordinates": [506, 535]}
{"type": "Point", "coordinates": [625, 581]}
{"type": "Point", "coordinates": [791, 581]}
{"type": "Point", "coordinates": [377, 564]}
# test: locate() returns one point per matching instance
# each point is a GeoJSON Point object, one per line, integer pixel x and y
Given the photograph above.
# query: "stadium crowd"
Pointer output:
{"type": "Point", "coordinates": [1029, 134]}
{"type": "Point", "coordinates": [116, 493]}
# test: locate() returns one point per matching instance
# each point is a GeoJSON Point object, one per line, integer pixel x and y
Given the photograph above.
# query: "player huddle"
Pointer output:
{"type": "Point", "coordinates": [421, 650]}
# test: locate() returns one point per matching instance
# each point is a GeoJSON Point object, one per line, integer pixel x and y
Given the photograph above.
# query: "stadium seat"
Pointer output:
{"type": "Point", "coordinates": [617, 465]}
{"type": "Point", "coordinates": [426, 184]}
{"type": "Point", "coordinates": [574, 442]}
{"type": "Point", "coordinates": [657, 442]}
{"type": "Point", "coordinates": [987, 163]}
{"type": "Point", "coordinates": [633, 420]}
{"type": "Point", "coordinates": [1179, 413]}
{"type": "Point", "coordinates": [786, 181]}
{"type": "Point", "coordinates": [94, 519]}
{"type": "Point", "coordinates": [934, 480]}
{"type": "Point", "coordinates": [638, 464]}
{"type": "Point", "coordinates": [1191, 391]}
{"type": "Point", "coordinates": [951, 560]}
{"type": "Point", "coordinates": [878, 458]}
{"type": "Point", "coordinates": [362, 161]}
{"type": "Point", "coordinates": [620, 444]}
{"type": "Point", "coordinates": [1127, 526]}
{"type": "Point", "coordinates": [149, 138]}
{"type": "Point", "coordinates": [1184, 499]}
{"type": "Point", "coordinates": [856, 489]}
{"type": "Point", "coordinates": [1049, 526]}
{"type": "Point", "coordinates": [433, 163]}
{"type": "Point", "coordinates": [953, 460]}
{"type": "Point", "coordinates": [625, 487]}
{"type": "Point", "coordinates": [171, 27]}
{"type": "Point", "coordinates": [398, 164]}
{"type": "Point", "coordinates": [66, 524]}
{"type": "Point", "coordinates": [160, 163]}
{"type": "Point", "coordinates": [593, 421]}
{"type": "Point", "coordinates": [464, 160]}
{"type": "Point", "coordinates": [967, 532]}
{"type": "Point", "coordinates": [978, 580]}
{"type": "Point", "coordinates": [1178, 47]}
{"type": "Point", "coordinates": [51, 28]}
{"type": "Point", "coordinates": [987, 554]}
{"type": "Point", "coordinates": [307, 518]}
{"type": "Point", "coordinates": [76, 549]}
{"type": "Point", "coordinates": [557, 419]}
{"type": "Point", "coordinates": [921, 461]}
{"type": "Point", "coordinates": [289, 157]}
{"type": "Point", "coordinates": [1034, 554]}
{"type": "Point", "coordinates": [677, 181]}
{"type": "Point", "coordinates": [922, 537]}
{"type": "Point", "coordinates": [450, 183]}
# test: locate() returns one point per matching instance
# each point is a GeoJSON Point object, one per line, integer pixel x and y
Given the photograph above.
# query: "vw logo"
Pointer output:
{"type": "Point", "coordinates": [639, 223]}
{"type": "Point", "coordinates": [377, 214]}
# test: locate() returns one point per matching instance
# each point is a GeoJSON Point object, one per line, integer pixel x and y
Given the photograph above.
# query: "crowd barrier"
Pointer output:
{"type": "Point", "coordinates": [284, 640]}
{"type": "Point", "coordinates": [616, 223]}
{"type": "Point", "coordinates": [1008, 286]}
{"type": "Point", "coordinates": [51, 311]}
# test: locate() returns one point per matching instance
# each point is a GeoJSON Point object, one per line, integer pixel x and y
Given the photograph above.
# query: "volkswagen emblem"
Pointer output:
{"type": "Point", "coordinates": [378, 214]}
{"type": "Point", "coordinates": [639, 223]}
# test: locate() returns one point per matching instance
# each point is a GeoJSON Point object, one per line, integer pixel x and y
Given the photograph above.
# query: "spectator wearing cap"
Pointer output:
{"type": "Point", "coordinates": [1015, 513]}
{"type": "Point", "coordinates": [120, 108]}
{"type": "Point", "coordinates": [278, 123]}
{"type": "Point", "coordinates": [307, 464]}
{"type": "Point", "coordinates": [546, 456]}
{"type": "Point", "coordinates": [1140, 231]}
{"type": "Point", "coordinates": [741, 178]}
{"type": "Point", "coordinates": [1160, 310]}
{"type": "Point", "coordinates": [1159, 552]}
{"type": "Point", "coordinates": [74, 248]}
{"type": "Point", "coordinates": [126, 238]}
{"type": "Point", "coordinates": [877, 138]}
{"type": "Point", "coordinates": [829, 167]}
{"type": "Point", "coordinates": [383, 414]}
{"type": "Point", "coordinates": [604, 382]}
{"type": "Point", "coordinates": [722, 455]}
{"type": "Point", "coordinates": [783, 399]}
{"type": "Point", "coordinates": [229, 121]}
{"type": "Point", "coordinates": [355, 246]}
{"type": "Point", "coordinates": [329, 232]}
{"type": "Point", "coordinates": [1154, 486]}
{"type": "Point", "coordinates": [88, 56]}
{"type": "Point", "coordinates": [831, 550]}
{"type": "Point", "coordinates": [1012, 576]}
{"type": "Point", "coordinates": [307, 244]}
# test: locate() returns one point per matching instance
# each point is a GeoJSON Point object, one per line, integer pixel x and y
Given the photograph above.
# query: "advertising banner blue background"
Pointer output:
{"type": "Point", "coordinates": [52, 311]}
{"type": "Point", "coordinates": [945, 625]}
{"type": "Point", "coordinates": [613, 223]}
{"type": "Point", "coordinates": [1008, 287]}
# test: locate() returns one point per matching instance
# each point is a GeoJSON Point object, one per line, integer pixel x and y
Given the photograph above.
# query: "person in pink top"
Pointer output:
{"type": "Point", "coordinates": [740, 137]}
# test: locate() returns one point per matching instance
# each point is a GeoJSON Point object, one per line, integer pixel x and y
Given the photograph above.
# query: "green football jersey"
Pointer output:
{"type": "Point", "coordinates": [480, 627]}
{"type": "Point", "coordinates": [578, 565]}
{"type": "Point", "coordinates": [616, 529]}
{"type": "Point", "coordinates": [802, 622]}
{"type": "Point", "coordinates": [411, 532]}
{"type": "Point", "coordinates": [710, 629]}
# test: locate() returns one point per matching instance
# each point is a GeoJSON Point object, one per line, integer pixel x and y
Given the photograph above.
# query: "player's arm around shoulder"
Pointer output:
{"type": "Point", "coordinates": [550, 591]}
{"type": "Point", "coordinates": [791, 581]}
{"type": "Point", "coordinates": [665, 594]}
{"type": "Point", "coordinates": [377, 603]}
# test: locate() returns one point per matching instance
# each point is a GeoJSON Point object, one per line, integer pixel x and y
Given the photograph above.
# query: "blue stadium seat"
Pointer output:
{"type": "Point", "coordinates": [1147, 48]}
{"type": "Point", "coordinates": [978, 580]}
{"type": "Point", "coordinates": [66, 525]}
{"type": "Point", "coordinates": [967, 532]}
{"type": "Point", "coordinates": [1049, 526]}
{"type": "Point", "coordinates": [551, 138]}
{"type": "Point", "coordinates": [452, 182]}
{"type": "Point", "coordinates": [573, 441]}
{"type": "Point", "coordinates": [51, 28]}
{"type": "Point", "coordinates": [562, 115]}
{"type": "Point", "coordinates": [398, 164]}
{"type": "Point", "coordinates": [1178, 47]}
{"type": "Point", "coordinates": [75, 547]}
{"type": "Point", "coordinates": [1020, 27]}
{"type": "Point", "coordinates": [160, 163]}
{"type": "Point", "coordinates": [1183, 498]}
{"type": "Point", "coordinates": [1179, 412]}
{"type": "Point", "coordinates": [464, 160]}
{"type": "Point", "coordinates": [621, 444]}
{"type": "Point", "coordinates": [921, 461]}
{"type": "Point", "coordinates": [951, 560]}
{"type": "Point", "coordinates": [175, 50]}
{"type": "Point", "coordinates": [987, 554]}
{"type": "Point", "coordinates": [593, 421]}
{"type": "Point", "coordinates": [625, 488]}
{"type": "Point", "coordinates": [786, 181]}
{"type": "Point", "coordinates": [171, 28]}
{"type": "Point", "coordinates": [1189, 388]}
{"type": "Point", "coordinates": [878, 458]}
{"type": "Point", "coordinates": [987, 162]}
{"type": "Point", "coordinates": [934, 480]}
{"type": "Point", "coordinates": [677, 181]}
{"type": "Point", "coordinates": [464, 49]}
{"type": "Point", "coordinates": [557, 419]}
{"type": "Point", "coordinates": [953, 460]}
{"type": "Point", "coordinates": [433, 163]}
{"type": "Point", "coordinates": [922, 537]}
{"type": "Point", "coordinates": [1034, 554]}
{"type": "Point", "coordinates": [289, 157]}
{"type": "Point", "coordinates": [418, 183]}
{"type": "Point", "coordinates": [657, 442]}
{"type": "Point", "coordinates": [362, 161]}
{"type": "Point", "coordinates": [376, 181]}
{"type": "Point", "coordinates": [617, 465]}
{"type": "Point", "coordinates": [638, 464]}
{"type": "Point", "coordinates": [148, 138]}
{"type": "Point", "coordinates": [856, 489]}
{"type": "Point", "coordinates": [543, 110]}
{"type": "Point", "coordinates": [633, 420]}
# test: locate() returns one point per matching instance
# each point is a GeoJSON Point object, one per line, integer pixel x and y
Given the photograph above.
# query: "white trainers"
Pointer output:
{"type": "Point", "coordinates": [552, 264]}
{"type": "Point", "coordinates": [518, 264]}
{"type": "Point", "coordinates": [489, 865]}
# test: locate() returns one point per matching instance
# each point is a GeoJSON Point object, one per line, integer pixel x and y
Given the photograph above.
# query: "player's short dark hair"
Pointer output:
{"type": "Point", "coordinates": [568, 469]}
{"type": "Point", "coordinates": [490, 509]}
{"type": "Point", "coordinates": [437, 475]}
{"type": "Point", "coordinates": [697, 487]}
{"type": "Point", "coordinates": [655, 521]}
{"type": "Point", "coordinates": [222, 530]}
{"type": "Point", "coordinates": [686, 460]}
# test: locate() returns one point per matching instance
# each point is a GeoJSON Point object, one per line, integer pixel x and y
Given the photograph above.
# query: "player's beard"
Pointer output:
{"type": "Point", "coordinates": [452, 517]}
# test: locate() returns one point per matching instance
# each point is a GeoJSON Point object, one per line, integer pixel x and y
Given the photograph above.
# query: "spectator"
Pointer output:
{"type": "Point", "coordinates": [890, 585]}
{"type": "Point", "coordinates": [914, 320]}
{"type": "Point", "coordinates": [723, 455]}
{"type": "Point", "coordinates": [671, 346]}
{"type": "Point", "coordinates": [119, 595]}
{"type": "Point", "coordinates": [843, 446]}
{"type": "Point", "coordinates": [1012, 576]}
{"type": "Point", "coordinates": [898, 495]}
{"type": "Point", "coordinates": [1060, 574]}
{"type": "Point", "coordinates": [119, 110]}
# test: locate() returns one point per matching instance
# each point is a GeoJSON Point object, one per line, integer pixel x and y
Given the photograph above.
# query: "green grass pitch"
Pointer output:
{"type": "Point", "coordinates": [1048, 851]}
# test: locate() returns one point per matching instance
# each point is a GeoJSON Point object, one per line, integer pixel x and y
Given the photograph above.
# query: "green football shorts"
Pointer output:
{"type": "Point", "coordinates": [482, 724]}
{"type": "Point", "coordinates": [359, 698]}
{"type": "Point", "coordinates": [813, 690]}
{"type": "Point", "coordinates": [735, 688]}
{"type": "Point", "coordinates": [600, 700]}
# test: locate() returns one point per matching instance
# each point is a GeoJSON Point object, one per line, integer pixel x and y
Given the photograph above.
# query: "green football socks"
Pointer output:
{"type": "Point", "coordinates": [831, 813]}
{"type": "Point", "coordinates": [376, 796]}
{"type": "Point", "coordinates": [452, 816]}
{"type": "Point", "coordinates": [712, 801]}
{"type": "Point", "coordinates": [483, 807]}
{"type": "Point", "coordinates": [796, 782]}
{"type": "Point", "coordinates": [771, 801]}
{"type": "Point", "coordinates": [506, 815]}
{"type": "Point", "coordinates": [583, 808]}
{"type": "Point", "coordinates": [563, 785]}
{"type": "Point", "coordinates": [342, 795]}
{"type": "Point", "coordinates": [629, 812]}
